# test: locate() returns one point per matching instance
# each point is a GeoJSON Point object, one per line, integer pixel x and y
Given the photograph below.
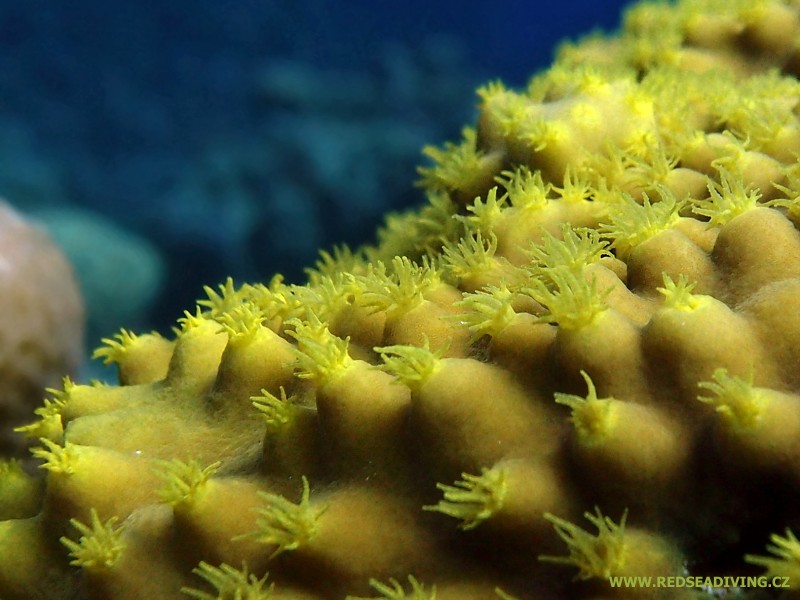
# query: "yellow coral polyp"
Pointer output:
{"type": "Point", "coordinates": [184, 481]}
{"type": "Point", "coordinates": [341, 259]}
{"type": "Point", "coordinates": [473, 499]}
{"type": "Point", "coordinates": [230, 584]}
{"type": "Point", "coordinates": [525, 188]}
{"type": "Point", "coordinates": [791, 191]}
{"type": "Point", "coordinates": [100, 545]}
{"type": "Point", "coordinates": [571, 300]}
{"type": "Point", "coordinates": [729, 198]}
{"type": "Point", "coordinates": [411, 365]}
{"type": "Point", "coordinates": [485, 212]}
{"type": "Point", "coordinates": [592, 417]}
{"type": "Point", "coordinates": [678, 296]}
{"type": "Point", "coordinates": [455, 164]}
{"type": "Point", "coordinates": [56, 458]}
{"type": "Point", "coordinates": [401, 290]}
{"type": "Point", "coordinates": [219, 301]}
{"type": "Point", "coordinates": [575, 189]}
{"type": "Point", "coordinates": [276, 411]}
{"type": "Point", "coordinates": [278, 302]}
{"type": "Point", "coordinates": [784, 563]}
{"type": "Point", "coordinates": [243, 321]}
{"type": "Point", "coordinates": [285, 524]}
{"type": "Point", "coordinates": [114, 349]}
{"type": "Point", "coordinates": [602, 555]}
{"type": "Point", "coordinates": [471, 258]}
{"type": "Point", "coordinates": [574, 250]}
{"type": "Point", "coordinates": [539, 133]}
{"type": "Point", "coordinates": [735, 398]}
{"type": "Point", "coordinates": [191, 321]}
{"type": "Point", "coordinates": [490, 310]}
{"type": "Point", "coordinates": [320, 354]}
{"type": "Point", "coordinates": [632, 223]}
{"type": "Point", "coordinates": [394, 591]}
{"type": "Point", "coordinates": [49, 424]}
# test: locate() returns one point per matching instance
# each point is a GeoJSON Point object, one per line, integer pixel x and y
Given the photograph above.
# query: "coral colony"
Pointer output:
{"type": "Point", "coordinates": [572, 374]}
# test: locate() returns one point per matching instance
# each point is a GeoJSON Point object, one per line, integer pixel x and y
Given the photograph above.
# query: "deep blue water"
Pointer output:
{"type": "Point", "coordinates": [237, 137]}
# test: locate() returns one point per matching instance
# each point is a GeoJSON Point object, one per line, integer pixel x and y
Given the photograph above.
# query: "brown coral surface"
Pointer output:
{"type": "Point", "coordinates": [41, 321]}
{"type": "Point", "coordinates": [573, 374]}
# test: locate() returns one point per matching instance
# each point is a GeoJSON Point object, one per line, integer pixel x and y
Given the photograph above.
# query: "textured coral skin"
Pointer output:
{"type": "Point", "coordinates": [41, 321]}
{"type": "Point", "coordinates": [579, 361]}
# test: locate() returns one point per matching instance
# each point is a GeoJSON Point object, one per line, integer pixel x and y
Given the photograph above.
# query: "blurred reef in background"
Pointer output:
{"type": "Point", "coordinates": [168, 145]}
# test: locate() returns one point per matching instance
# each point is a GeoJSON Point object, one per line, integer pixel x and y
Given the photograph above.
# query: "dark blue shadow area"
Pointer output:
{"type": "Point", "coordinates": [237, 138]}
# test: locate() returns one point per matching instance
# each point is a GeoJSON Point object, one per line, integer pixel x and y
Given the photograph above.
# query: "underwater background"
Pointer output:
{"type": "Point", "coordinates": [167, 145]}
